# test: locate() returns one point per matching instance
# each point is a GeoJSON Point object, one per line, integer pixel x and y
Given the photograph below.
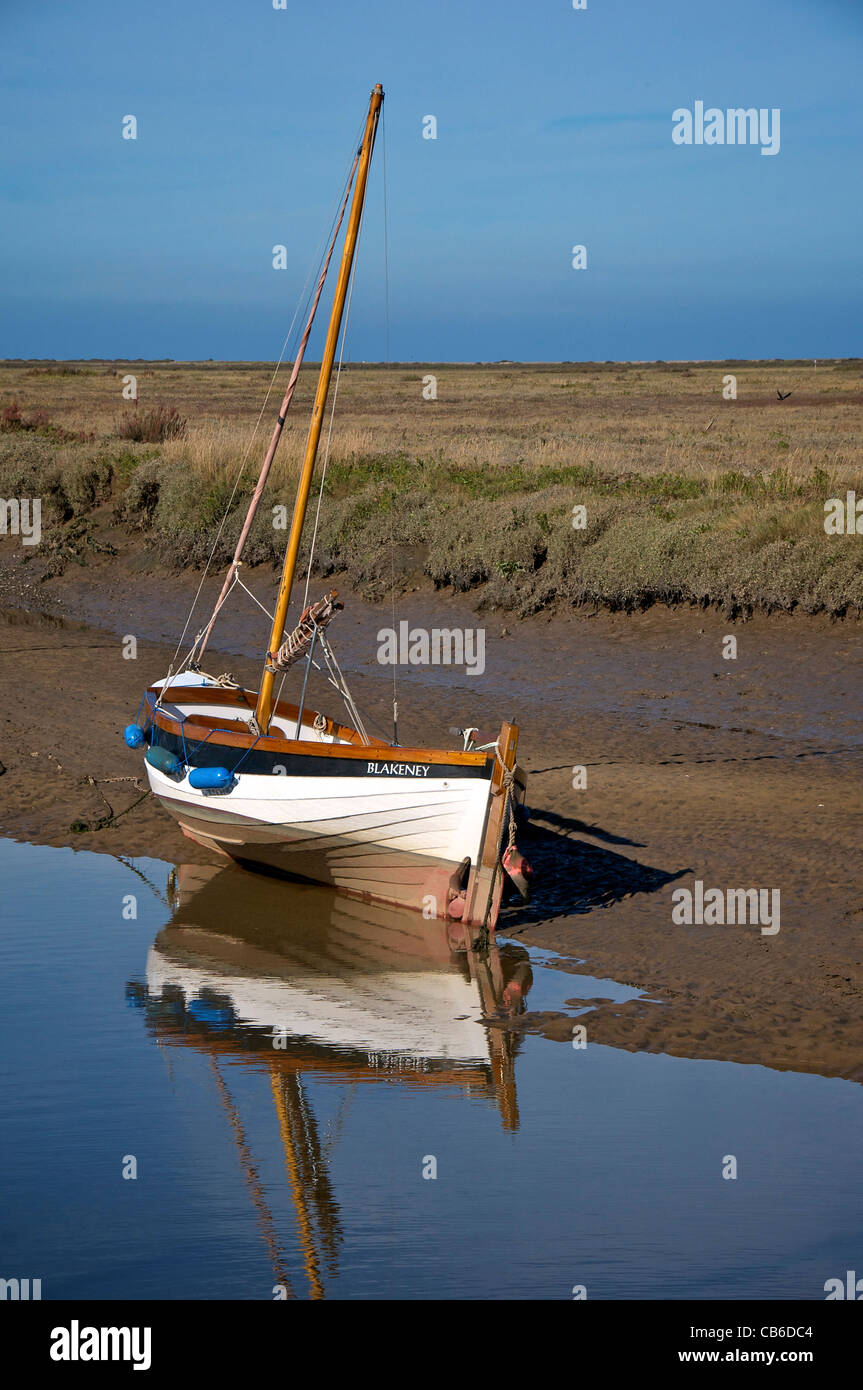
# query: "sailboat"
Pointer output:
{"type": "Point", "coordinates": [272, 783]}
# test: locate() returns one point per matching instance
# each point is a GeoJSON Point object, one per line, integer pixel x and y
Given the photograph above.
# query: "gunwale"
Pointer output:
{"type": "Point", "coordinates": [196, 726]}
{"type": "Point", "coordinates": [236, 695]}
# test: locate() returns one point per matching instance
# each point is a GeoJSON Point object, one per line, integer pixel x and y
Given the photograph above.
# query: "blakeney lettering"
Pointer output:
{"type": "Point", "coordinates": [400, 769]}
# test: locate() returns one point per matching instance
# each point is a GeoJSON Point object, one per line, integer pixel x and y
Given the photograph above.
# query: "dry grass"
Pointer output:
{"type": "Point", "coordinates": [691, 497]}
{"type": "Point", "coordinates": [622, 417]}
{"type": "Point", "coordinates": [155, 426]}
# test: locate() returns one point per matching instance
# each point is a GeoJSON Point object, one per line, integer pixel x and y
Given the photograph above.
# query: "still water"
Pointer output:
{"type": "Point", "coordinates": [281, 1067]}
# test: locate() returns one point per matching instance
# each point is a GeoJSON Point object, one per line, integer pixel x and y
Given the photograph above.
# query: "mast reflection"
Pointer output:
{"type": "Point", "coordinates": [309, 985]}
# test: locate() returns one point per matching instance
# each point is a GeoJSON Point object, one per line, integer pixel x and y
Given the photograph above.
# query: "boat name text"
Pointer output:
{"type": "Point", "coordinates": [400, 769]}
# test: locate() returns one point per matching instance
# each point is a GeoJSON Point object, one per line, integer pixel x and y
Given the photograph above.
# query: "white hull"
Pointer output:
{"type": "Point", "coordinates": [382, 840]}
{"type": "Point", "coordinates": [405, 1014]}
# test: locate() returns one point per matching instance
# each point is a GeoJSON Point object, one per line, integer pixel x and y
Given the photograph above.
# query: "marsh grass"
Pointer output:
{"type": "Point", "coordinates": [690, 498]}
{"type": "Point", "coordinates": [154, 426]}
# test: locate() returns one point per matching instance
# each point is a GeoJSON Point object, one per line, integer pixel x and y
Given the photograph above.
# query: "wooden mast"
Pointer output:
{"type": "Point", "coordinates": [264, 708]}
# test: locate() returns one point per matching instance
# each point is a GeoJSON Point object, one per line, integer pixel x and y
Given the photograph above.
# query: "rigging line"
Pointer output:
{"type": "Point", "coordinates": [242, 469]}
{"type": "Point", "coordinates": [351, 284]}
{"type": "Point", "coordinates": [359, 715]}
{"type": "Point", "coordinates": [263, 476]}
{"type": "Point", "coordinates": [135, 870]}
{"type": "Point", "coordinates": [279, 693]}
{"type": "Point", "coordinates": [253, 1182]}
{"type": "Point", "coordinates": [386, 232]}
{"type": "Point", "coordinates": [393, 604]}
{"type": "Point", "coordinates": [333, 1132]}
{"type": "Point", "coordinates": [387, 299]}
{"type": "Point", "coordinates": [343, 687]}
{"type": "Point", "coordinates": [328, 675]}
{"type": "Point", "coordinates": [253, 597]}
{"type": "Point", "coordinates": [335, 678]}
{"type": "Point", "coordinates": [305, 296]}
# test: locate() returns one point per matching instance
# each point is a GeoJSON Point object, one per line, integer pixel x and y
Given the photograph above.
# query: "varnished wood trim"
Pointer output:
{"type": "Point", "coordinates": [230, 738]}
{"type": "Point", "coordinates": [508, 743]}
{"type": "Point", "coordinates": [486, 885]}
{"type": "Point", "coordinates": [284, 709]}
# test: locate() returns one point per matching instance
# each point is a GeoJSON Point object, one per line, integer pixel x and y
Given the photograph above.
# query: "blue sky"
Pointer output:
{"type": "Point", "coordinates": [554, 129]}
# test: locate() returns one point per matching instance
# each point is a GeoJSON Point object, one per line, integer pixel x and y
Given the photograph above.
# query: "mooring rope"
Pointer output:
{"type": "Point", "coordinates": [79, 827]}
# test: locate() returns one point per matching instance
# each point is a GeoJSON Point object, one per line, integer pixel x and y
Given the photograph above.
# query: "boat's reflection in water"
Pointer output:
{"type": "Point", "coordinates": [308, 984]}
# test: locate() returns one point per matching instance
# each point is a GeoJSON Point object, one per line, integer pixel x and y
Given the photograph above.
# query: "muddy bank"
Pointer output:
{"type": "Point", "coordinates": [740, 773]}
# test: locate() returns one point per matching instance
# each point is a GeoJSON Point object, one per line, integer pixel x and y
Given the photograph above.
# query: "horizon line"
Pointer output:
{"type": "Point", "coordinates": [435, 362]}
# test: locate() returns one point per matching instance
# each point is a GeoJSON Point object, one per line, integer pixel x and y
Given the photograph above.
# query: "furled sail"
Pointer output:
{"type": "Point", "coordinates": [298, 642]}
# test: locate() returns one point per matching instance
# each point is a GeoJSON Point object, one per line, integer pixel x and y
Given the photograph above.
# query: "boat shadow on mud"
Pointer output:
{"type": "Point", "coordinates": [572, 876]}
